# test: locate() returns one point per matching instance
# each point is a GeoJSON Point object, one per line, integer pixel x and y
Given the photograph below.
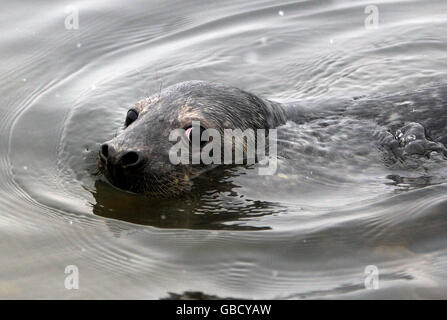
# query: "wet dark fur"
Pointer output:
{"type": "Point", "coordinates": [224, 107]}
{"type": "Point", "coordinates": [214, 105]}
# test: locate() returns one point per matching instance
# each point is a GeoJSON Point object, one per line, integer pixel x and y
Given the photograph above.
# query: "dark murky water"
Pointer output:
{"type": "Point", "coordinates": [332, 209]}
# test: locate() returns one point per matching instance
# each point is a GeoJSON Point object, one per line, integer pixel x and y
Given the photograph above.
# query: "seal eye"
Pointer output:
{"type": "Point", "coordinates": [191, 132]}
{"type": "Point", "coordinates": [132, 115]}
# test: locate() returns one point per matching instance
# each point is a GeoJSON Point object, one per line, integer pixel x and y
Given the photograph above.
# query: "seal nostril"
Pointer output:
{"type": "Point", "coordinates": [130, 158]}
{"type": "Point", "coordinates": [104, 151]}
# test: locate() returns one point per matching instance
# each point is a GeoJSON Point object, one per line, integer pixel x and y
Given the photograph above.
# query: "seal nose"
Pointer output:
{"type": "Point", "coordinates": [104, 151]}
{"type": "Point", "coordinates": [130, 159]}
{"type": "Point", "coordinates": [120, 160]}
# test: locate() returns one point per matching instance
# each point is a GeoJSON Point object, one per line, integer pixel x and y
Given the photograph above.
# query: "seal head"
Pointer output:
{"type": "Point", "coordinates": [137, 160]}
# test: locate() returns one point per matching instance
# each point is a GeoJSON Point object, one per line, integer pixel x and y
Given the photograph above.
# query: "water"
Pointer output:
{"type": "Point", "coordinates": [310, 231]}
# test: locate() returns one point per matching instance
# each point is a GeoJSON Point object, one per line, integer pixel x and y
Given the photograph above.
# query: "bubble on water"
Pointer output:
{"type": "Point", "coordinates": [163, 217]}
{"type": "Point", "coordinates": [331, 41]}
{"type": "Point", "coordinates": [24, 79]}
{"type": "Point", "coordinates": [281, 13]}
{"type": "Point", "coordinates": [263, 40]}
{"type": "Point", "coordinates": [93, 87]}
{"type": "Point", "coordinates": [78, 45]}
{"type": "Point", "coordinates": [25, 168]}
{"type": "Point", "coordinates": [71, 222]}
{"type": "Point", "coordinates": [251, 58]}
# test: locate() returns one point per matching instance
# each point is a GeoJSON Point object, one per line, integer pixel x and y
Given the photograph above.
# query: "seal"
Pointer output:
{"type": "Point", "coordinates": [138, 159]}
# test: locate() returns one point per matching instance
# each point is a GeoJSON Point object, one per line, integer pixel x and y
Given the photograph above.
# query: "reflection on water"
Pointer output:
{"type": "Point", "coordinates": [212, 205]}
{"type": "Point", "coordinates": [334, 207]}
